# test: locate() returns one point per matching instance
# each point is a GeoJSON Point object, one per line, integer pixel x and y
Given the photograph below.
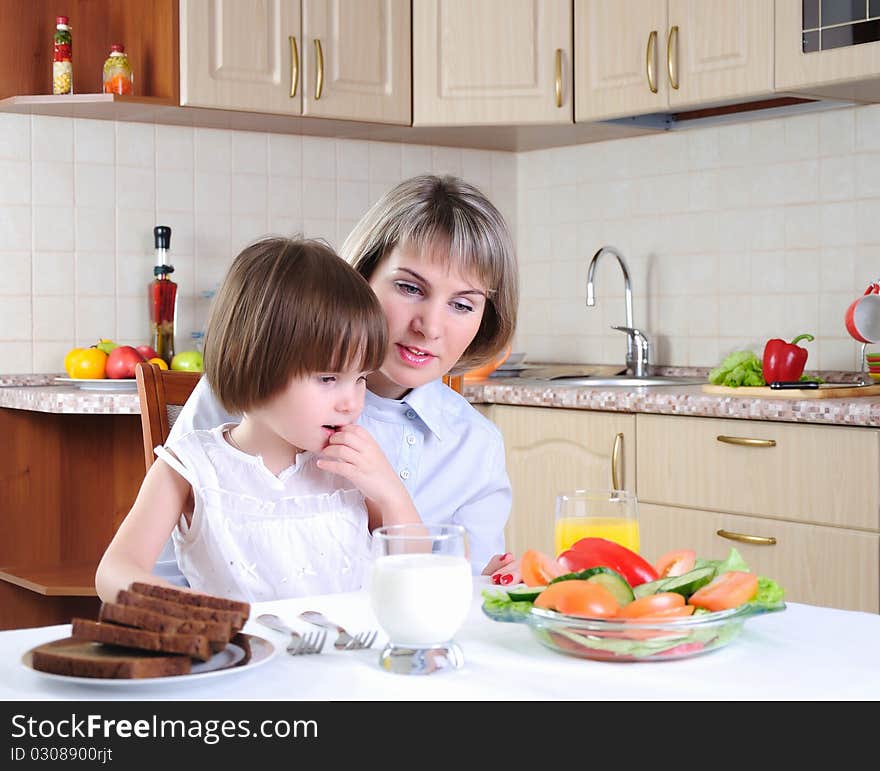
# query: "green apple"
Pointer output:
{"type": "Point", "coordinates": [187, 361]}
{"type": "Point", "coordinates": [106, 345]}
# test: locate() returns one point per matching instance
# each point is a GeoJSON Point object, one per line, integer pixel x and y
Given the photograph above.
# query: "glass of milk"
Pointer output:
{"type": "Point", "coordinates": [421, 591]}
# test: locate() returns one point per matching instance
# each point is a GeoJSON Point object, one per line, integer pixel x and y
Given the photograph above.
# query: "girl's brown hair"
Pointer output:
{"type": "Point", "coordinates": [446, 216]}
{"type": "Point", "coordinates": [287, 308]}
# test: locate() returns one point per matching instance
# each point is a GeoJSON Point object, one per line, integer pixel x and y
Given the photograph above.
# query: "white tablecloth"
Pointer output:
{"type": "Point", "coordinates": [805, 652]}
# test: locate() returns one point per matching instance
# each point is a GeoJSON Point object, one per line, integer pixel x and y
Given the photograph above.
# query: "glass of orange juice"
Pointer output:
{"type": "Point", "coordinates": [611, 514]}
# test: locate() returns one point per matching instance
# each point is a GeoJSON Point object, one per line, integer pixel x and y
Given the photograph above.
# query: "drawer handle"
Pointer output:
{"type": "Point", "coordinates": [746, 442]}
{"type": "Point", "coordinates": [615, 462]}
{"type": "Point", "coordinates": [758, 540]}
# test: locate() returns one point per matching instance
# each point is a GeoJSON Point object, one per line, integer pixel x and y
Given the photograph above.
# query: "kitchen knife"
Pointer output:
{"type": "Point", "coordinates": [778, 385]}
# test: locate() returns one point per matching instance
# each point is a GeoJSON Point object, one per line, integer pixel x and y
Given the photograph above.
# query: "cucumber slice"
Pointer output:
{"type": "Point", "coordinates": [583, 575]}
{"type": "Point", "coordinates": [687, 583]}
{"type": "Point", "coordinates": [651, 587]}
{"type": "Point", "coordinates": [525, 593]}
{"type": "Point", "coordinates": [616, 584]}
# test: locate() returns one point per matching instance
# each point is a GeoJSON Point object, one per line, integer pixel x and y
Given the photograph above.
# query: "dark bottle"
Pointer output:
{"type": "Point", "coordinates": [163, 297]}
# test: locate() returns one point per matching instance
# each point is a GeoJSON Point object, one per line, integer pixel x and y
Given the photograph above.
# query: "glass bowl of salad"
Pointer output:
{"type": "Point", "coordinates": [636, 640]}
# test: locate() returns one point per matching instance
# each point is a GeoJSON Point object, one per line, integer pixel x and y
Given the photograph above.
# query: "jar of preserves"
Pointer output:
{"type": "Point", "coordinates": [118, 78]}
{"type": "Point", "coordinates": [62, 58]}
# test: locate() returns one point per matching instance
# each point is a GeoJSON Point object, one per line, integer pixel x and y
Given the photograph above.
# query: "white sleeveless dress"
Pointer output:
{"type": "Point", "coordinates": [256, 536]}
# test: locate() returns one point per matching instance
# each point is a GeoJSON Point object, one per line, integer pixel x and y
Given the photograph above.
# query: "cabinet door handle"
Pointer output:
{"type": "Point", "coordinates": [615, 462]}
{"type": "Point", "coordinates": [758, 540]}
{"type": "Point", "coordinates": [672, 68]}
{"type": "Point", "coordinates": [294, 66]}
{"type": "Point", "coordinates": [746, 442]}
{"type": "Point", "coordinates": [559, 77]}
{"type": "Point", "coordinates": [319, 71]}
{"type": "Point", "coordinates": [651, 60]}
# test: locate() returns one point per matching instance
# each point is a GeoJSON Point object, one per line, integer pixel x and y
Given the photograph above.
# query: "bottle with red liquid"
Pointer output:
{"type": "Point", "coordinates": [163, 297]}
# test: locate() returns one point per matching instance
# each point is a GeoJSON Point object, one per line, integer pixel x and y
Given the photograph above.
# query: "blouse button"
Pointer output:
{"type": "Point", "coordinates": [404, 474]}
{"type": "Point", "coordinates": [410, 439]}
{"type": "Point", "coordinates": [410, 414]}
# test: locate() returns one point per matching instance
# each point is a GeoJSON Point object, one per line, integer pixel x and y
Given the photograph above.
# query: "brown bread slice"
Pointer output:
{"type": "Point", "coordinates": [78, 658]}
{"type": "Point", "coordinates": [191, 598]}
{"type": "Point", "coordinates": [195, 645]}
{"type": "Point", "coordinates": [169, 608]}
{"type": "Point", "coordinates": [218, 633]}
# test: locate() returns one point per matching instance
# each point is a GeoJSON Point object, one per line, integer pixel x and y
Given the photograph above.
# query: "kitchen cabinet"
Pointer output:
{"type": "Point", "coordinates": [635, 57]}
{"type": "Point", "coordinates": [800, 502]}
{"type": "Point", "coordinates": [550, 451]}
{"type": "Point", "coordinates": [832, 54]}
{"type": "Point", "coordinates": [492, 62]}
{"type": "Point", "coordinates": [345, 59]}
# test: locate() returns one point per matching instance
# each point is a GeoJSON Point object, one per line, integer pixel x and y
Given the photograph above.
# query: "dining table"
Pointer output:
{"type": "Point", "coordinates": [804, 652]}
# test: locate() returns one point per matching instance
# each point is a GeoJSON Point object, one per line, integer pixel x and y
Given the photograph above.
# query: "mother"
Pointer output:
{"type": "Point", "coordinates": [440, 258]}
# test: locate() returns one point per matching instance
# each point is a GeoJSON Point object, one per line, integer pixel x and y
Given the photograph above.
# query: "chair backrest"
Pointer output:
{"type": "Point", "coordinates": [162, 394]}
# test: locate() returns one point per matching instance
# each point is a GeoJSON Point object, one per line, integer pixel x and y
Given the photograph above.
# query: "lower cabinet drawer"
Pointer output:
{"type": "Point", "coordinates": [818, 565]}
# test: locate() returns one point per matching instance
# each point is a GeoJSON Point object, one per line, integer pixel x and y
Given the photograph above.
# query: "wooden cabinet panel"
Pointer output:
{"type": "Point", "coordinates": [239, 55]}
{"type": "Point", "coordinates": [492, 62]}
{"type": "Point", "coordinates": [822, 474]}
{"type": "Point", "coordinates": [549, 451]}
{"type": "Point", "coordinates": [366, 59]}
{"type": "Point", "coordinates": [818, 565]}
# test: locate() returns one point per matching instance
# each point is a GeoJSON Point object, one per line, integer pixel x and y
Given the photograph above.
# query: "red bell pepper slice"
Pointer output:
{"type": "Point", "coordinates": [784, 361]}
{"type": "Point", "coordinates": [600, 552]}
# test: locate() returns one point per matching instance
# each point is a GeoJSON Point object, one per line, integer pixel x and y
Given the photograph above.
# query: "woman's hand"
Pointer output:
{"type": "Point", "coordinates": [503, 569]}
{"type": "Point", "coordinates": [353, 453]}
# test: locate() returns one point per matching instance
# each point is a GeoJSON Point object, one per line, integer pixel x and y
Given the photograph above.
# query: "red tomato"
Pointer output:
{"type": "Point", "coordinates": [579, 598]}
{"type": "Point", "coordinates": [682, 611]}
{"type": "Point", "coordinates": [651, 604]}
{"type": "Point", "coordinates": [675, 563]}
{"type": "Point", "coordinates": [538, 569]}
{"type": "Point", "coordinates": [729, 590]}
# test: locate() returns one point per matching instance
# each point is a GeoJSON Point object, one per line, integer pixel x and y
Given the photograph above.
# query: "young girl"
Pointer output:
{"type": "Point", "coordinates": [440, 259]}
{"type": "Point", "coordinates": [278, 504]}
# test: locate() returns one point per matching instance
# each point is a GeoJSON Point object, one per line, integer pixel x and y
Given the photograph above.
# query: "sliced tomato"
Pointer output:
{"type": "Point", "coordinates": [729, 590]}
{"type": "Point", "coordinates": [667, 614]}
{"type": "Point", "coordinates": [579, 598]}
{"type": "Point", "coordinates": [675, 563]}
{"type": "Point", "coordinates": [538, 569]}
{"type": "Point", "coordinates": [651, 605]}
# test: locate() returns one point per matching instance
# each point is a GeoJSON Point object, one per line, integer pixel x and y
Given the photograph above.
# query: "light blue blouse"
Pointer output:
{"type": "Point", "coordinates": [449, 457]}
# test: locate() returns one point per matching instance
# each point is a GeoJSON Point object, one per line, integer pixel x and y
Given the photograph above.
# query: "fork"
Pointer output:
{"type": "Point", "coordinates": [312, 642]}
{"type": "Point", "coordinates": [344, 641]}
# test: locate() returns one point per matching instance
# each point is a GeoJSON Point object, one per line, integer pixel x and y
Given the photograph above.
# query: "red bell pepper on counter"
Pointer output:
{"type": "Point", "coordinates": [600, 552]}
{"type": "Point", "coordinates": [784, 361]}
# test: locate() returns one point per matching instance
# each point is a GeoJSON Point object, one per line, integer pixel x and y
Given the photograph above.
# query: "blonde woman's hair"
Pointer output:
{"type": "Point", "coordinates": [445, 217]}
{"type": "Point", "coordinates": [288, 308]}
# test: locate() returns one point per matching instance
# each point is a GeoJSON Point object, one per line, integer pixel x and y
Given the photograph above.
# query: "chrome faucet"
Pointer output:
{"type": "Point", "coordinates": [637, 345]}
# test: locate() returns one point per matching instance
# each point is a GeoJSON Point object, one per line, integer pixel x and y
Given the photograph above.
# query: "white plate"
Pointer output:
{"type": "Point", "coordinates": [99, 384]}
{"type": "Point", "coordinates": [226, 662]}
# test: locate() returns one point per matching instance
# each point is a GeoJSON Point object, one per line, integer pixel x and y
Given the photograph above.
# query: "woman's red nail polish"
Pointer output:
{"type": "Point", "coordinates": [496, 579]}
{"type": "Point", "coordinates": [506, 556]}
{"type": "Point", "coordinates": [506, 578]}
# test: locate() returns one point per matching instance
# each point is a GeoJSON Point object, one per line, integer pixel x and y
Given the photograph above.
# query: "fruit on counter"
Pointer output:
{"type": "Point", "coordinates": [188, 361]}
{"type": "Point", "coordinates": [122, 361]}
{"type": "Point", "coordinates": [600, 552]}
{"type": "Point", "coordinates": [160, 363]}
{"type": "Point", "coordinates": [741, 368]}
{"type": "Point", "coordinates": [86, 363]}
{"type": "Point", "coordinates": [784, 361]}
{"type": "Point", "coordinates": [147, 352]}
{"type": "Point", "coordinates": [106, 345]}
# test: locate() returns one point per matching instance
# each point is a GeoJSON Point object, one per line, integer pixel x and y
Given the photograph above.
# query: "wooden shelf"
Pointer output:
{"type": "Point", "coordinates": [74, 580]}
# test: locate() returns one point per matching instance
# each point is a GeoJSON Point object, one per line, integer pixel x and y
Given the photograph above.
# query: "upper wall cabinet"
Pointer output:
{"type": "Point", "coordinates": [326, 58]}
{"type": "Point", "coordinates": [643, 56]}
{"type": "Point", "coordinates": [828, 48]}
{"type": "Point", "coordinates": [491, 62]}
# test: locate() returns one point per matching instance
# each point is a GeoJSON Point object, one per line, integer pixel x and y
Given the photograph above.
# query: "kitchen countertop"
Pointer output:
{"type": "Point", "coordinates": [36, 393]}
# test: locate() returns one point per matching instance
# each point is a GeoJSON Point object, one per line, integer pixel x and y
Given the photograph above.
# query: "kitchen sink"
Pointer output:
{"type": "Point", "coordinates": [627, 381]}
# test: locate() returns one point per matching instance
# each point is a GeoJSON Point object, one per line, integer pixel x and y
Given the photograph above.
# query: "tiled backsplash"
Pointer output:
{"type": "Point", "coordinates": [733, 234]}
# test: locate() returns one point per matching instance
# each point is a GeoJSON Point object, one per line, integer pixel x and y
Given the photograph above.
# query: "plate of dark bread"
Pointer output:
{"type": "Point", "coordinates": [153, 634]}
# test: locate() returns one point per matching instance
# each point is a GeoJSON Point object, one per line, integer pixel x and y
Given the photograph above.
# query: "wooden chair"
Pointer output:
{"type": "Point", "coordinates": [162, 394]}
{"type": "Point", "coordinates": [455, 382]}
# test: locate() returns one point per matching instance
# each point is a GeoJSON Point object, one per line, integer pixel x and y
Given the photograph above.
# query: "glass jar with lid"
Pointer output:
{"type": "Point", "coordinates": [118, 78]}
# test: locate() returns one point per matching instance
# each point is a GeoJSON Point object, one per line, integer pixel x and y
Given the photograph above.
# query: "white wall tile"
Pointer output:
{"type": "Point", "coordinates": [285, 198]}
{"type": "Point", "coordinates": [175, 148]}
{"type": "Point", "coordinates": [250, 152]}
{"type": "Point", "coordinates": [175, 190]}
{"type": "Point", "coordinates": [53, 318]}
{"type": "Point", "coordinates": [318, 158]}
{"type": "Point", "coordinates": [213, 192]}
{"type": "Point", "coordinates": [52, 183]}
{"type": "Point", "coordinates": [15, 182]}
{"type": "Point", "coordinates": [415, 160]}
{"type": "Point", "coordinates": [15, 137]}
{"type": "Point", "coordinates": [48, 355]}
{"type": "Point", "coordinates": [95, 229]}
{"type": "Point", "coordinates": [95, 274]}
{"type": "Point", "coordinates": [213, 149]}
{"type": "Point", "coordinates": [16, 274]}
{"type": "Point", "coordinates": [136, 145]}
{"type": "Point", "coordinates": [15, 318]}
{"type": "Point", "coordinates": [95, 319]}
{"type": "Point", "coordinates": [15, 228]}
{"type": "Point", "coordinates": [52, 139]}
{"type": "Point", "coordinates": [285, 155]}
{"type": "Point", "coordinates": [837, 132]}
{"type": "Point", "coordinates": [95, 141]}
{"type": "Point", "coordinates": [94, 185]}
{"type": "Point", "coordinates": [54, 228]}
{"type": "Point", "coordinates": [249, 194]}
{"type": "Point", "coordinates": [135, 187]}
{"type": "Point", "coordinates": [384, 162]}
{"type": "Point", "coordinates": [17, 357]}
{"type": "Point", "coordinates": [353, 160]}
{"type": "Point", "coordinates": [53, 273]}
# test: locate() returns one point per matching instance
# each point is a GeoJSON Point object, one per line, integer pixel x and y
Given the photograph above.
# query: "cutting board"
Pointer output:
{"type": "Point", "coordinates": [824, 391]}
